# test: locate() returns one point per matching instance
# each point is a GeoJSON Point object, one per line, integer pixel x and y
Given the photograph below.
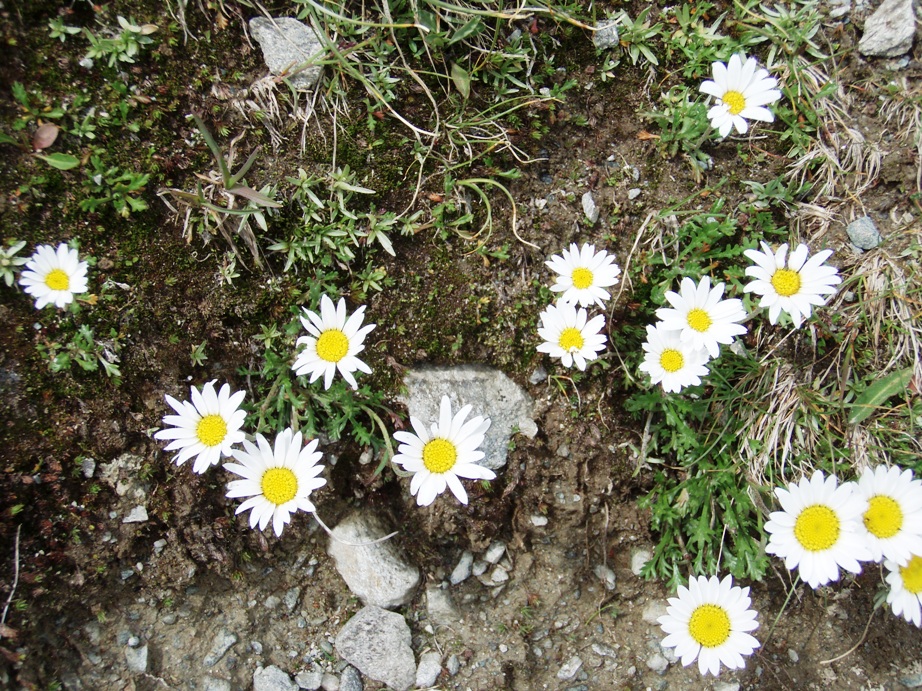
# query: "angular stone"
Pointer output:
{"type": "Point", "coordinates": [272, 678]}
{"type": "Point", "coordinates": [441, 609]}
{"type": "Point", "coordinates": [462, 571]}
{"type": "Point", "coordinates": [309, 680]}
{"type": "Point", "coordinates": [605, 36]}
{"type": "Point", "coordinates": [888, 33]}
{"type": "Point", "coordinates": [376, 573]}
{"type": "Point", "coordinates": [489, 392]}
{"type": "Point", "coordinates": [137, 515]}
{"type": "Point", "coordinates": [287, 44]}
{"type": "Point", "coordinates": [863, 233]}
{"type": "Point", "coordinates": [590, 208]}
{"type": "Point", "coordinates": [430, 666]}
{"type": "Point", "coordinates": [136, 659]}
{"type": "Point", "coordinates": [222, 642]}
{"type": "Point", "coordinates": [351, 680]}
{"type": "Point", "coordinates": [569, 668]}
{"type": "Point", "coordinates": [377, 642]}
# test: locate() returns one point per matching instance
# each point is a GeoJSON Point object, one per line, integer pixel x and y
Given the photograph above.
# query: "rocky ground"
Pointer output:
{"type": "Point", "coordinates": [151, 582]}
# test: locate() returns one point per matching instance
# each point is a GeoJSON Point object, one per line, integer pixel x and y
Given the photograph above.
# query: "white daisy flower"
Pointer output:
{"type": "Point", "coordinates": [819, 529]}
{"type": "Point", "coordinates": [54, 276]}
{"type": "Point", "coordinates": [583, 274]}
{"type": "Point", "coordinates": [278, 480]}
{"type": "Point", "coordinates": [742, 90]}
{"type": "Point", "coordinates": [794, 287]}
{"type": "Point", "coordinates": [570, 335]}
{"type": "Point", "coordinates": [207, 428]}
{"type": "Point", "coordinates": [448, 453]}
{"type": "Point", "coordinates": [906, 589]}
{"type": "Point", "coordinates": [892, 523]}
{"type": "Point", "coordinates": [333, 343]}
{"type": "Point", "coordinates": [710, 620]}
{"type": "Point", "coordinates": [702, 317]}
{"type": "Point", "coordinates": [670, 361]}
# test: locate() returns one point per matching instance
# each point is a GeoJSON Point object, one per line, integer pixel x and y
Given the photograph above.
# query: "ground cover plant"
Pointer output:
{"type": "Point", "coordinates": [242, 273]}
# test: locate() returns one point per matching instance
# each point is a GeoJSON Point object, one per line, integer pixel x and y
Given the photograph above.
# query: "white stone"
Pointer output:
{"type": "Point", "coordinates": [606, 575]}
{"type": "Point", "coordinates": [463, 570]}
{"type": "Point", "coordinates": [638, 559]}
{"type": "Point", "coordinates": [489, 392]}
{"type": "Point", "coordinates": [430, 666]}
{"type": "Point", "coordinates": [590, 208]}
{"type": "Point", "coordinates": [377, 573]}
{"type": "Point", "coordinates": [272, 678]}
{"type": "Point", "coordinates": [605, 36]}
{"type": "Point", "coordinates": [310, 681]}
{"type": "Point", "coordinates": [377, 642]}
{"type": "Point", "coordinates": [653, 611]}
{"type": "Point", "coordinates": [287, 44]}
{"type": "Point", "coordinates": [888, 33]}
{"type": "Point", "coordinates": [658, 663]}
{"type": "Point", "coordinates": [440, 607]}
{"type": "Point", "coordinates": [538, 520]}
{"type": "Point", "coordinates": [495, 552]}
{"type": "Point", "coordinates": [569, 668]}
{"type": "Point", "coordinates": [136, 658]}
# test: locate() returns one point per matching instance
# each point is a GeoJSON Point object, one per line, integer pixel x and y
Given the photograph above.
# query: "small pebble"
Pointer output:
{"type": "Point", "coordinates": [463, 570]}
{"type": "Point", "coordinates": [569, 668]}
{"type": "Point", "coordinates": [795, 658]}
{"type": "Point", "coordinates": [539, 521]}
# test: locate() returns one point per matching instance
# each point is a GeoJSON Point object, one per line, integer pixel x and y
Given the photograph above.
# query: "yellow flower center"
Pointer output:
{"type": "Point", "coordinates": [786, 282]}
{"type": "Point", "coordinates": [582, 278]}
{"type": "Point", "coordinates": [571, 339]}
{"type": "Point", "coordinates": [439, 455]}
{"type": "Point", "coordinates": [279, 485]}
{"type": "Point", "coordinates": [671, 360]}
{"type": "Point", "coordinates": [912, 575]}
{"type": "Point", "coordinates": [699, 320]}
{"type": "Point", "coordinates": [735, 102]}
{"type": "Point", "coordinates": [709, 625]}
{"type": "Point", "coordinates": [57, 280]}
{"type": "Point", "coordinates": [332, 345]}
{"type": "Point", "coordinates": [817, 528]}
{"type": "Point", "coordinates": [211, 430]}
{"type": "Point", "coordinates": [884, 518]}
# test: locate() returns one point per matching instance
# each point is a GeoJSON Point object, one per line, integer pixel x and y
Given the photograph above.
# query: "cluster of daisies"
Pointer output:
{"type": "Point", "coordinates": [822, 527]}
{"type": "Point", "coordinates": [277, 479]}
{"type": "Point", "coordinates": [690, 332]}
{"type": "Point", "coordinates": [582, 278]}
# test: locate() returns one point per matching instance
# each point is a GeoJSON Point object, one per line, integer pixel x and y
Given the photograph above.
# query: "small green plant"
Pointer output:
{"type": "Point", "coordinates": [683, 127]}
{"type": "Point", "coordinates": [198, 354]}
{"type": "Point", "coordinates": [637, 36]}
{"type": "Point", "coordinates": [84, 349]}
{"type": "Point", "coordinates": [57, 29]}
{"type": "Point", "coordinates": [123, 46]}
{"type": "Point", "coordinates": [9, 262]}
{"type": "Point", "coordinates": [110, 185]}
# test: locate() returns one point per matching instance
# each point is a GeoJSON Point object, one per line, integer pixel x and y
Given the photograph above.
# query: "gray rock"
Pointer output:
{"type": "Point", "coordinates": [351, 680]}
{"type": "Point", "coordinates": [888, 33]}
{"type": "Point", "coordinates": [727, 686]}
{"type": "Point", "coordinates": [309, 680]}
{"type": "Point", "coordinates": [222, 642]}
{"type": "Point", "coordinates": [658, 663]}
{"type": "Point", "coordinates": [272, 678]}
{"type": "Point", "coordinates": [912, 682]}
{"type": "Point", "coordinates": [499, 575]}
{"type": "Point", "coordinates": [291, 599]}
{"type": "Point", "coordinates": [795, 658]}
{"type": "Point", "coordinates": [330, 682]}
{"type": "Point", "coordinates": [453, 665]}
{"type": "Point", "coordinates": [377, 642]}
{"type": "Point", "coordinates": [638, 559]}
{"type": "Point", "coordinates": [653, 611]}
{"type": "Point", "coordinates": [605, 36]}
{"type": "Point", "coordinates": [88, 467]}
{"type": "Point", "coordinates": [430, 666]}
{"type": "Point", "coordinates": [441, 609]}
{"type": "Point", "coordinates": [839, 8]}
{"type": "Point", "coordinates": [633, 193]}
{"type": "Point", "coordinates": [272, 602]}
{"type": "Point", "coordinates": [495, 552]}
{"type": "Point", "coordinates": [606, 575]}
{"type": "Point", "coordinates": [463, 570]}
{"type": "Point", "coordinates": [569, 668]}
{"type": "Point", "coordinates": [287, 44]}
{"type": "Point", "coordinates": [213, 684]}
{"type": "Point", "coordinates": [136, 659]}
{"type": "Point", "coordinates": [491, 394]}
{"type": "Point", "coordinates": [603, 650]}
{"type": "Point", "coordinates": [539, 376]}
{"type": "Point", "coordinates": [590, 208]}
{"type": "Point", "coordinates": [376, 573]}
{"type": "Point", "coordinates": [863, 233]}
{"type": "Point", "coordinates": [480, 567]}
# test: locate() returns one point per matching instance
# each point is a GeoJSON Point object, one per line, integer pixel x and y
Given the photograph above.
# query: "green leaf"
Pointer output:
{"type": "Point", "coordinates": [472, 27]}
{"type": "Point", "coordinates": [60, 161]}
{"type": "Point", "coordinates": [877, 393]}
{"type": "Point", "coordinates": [461, 79]}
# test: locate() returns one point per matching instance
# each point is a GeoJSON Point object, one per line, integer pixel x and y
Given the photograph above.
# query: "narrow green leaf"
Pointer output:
{"type": "Point", "coordinates": [60, 161]}
{"type": "Point", "coordinates": [461, 79]}
{"type": "Point", "coordinates": [877, 393]}
{"type": "Point", "coordinates": [469, 29]}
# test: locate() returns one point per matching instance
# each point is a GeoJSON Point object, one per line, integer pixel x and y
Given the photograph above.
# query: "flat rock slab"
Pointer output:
{"type": "Point", "coordinates": [888, 33]}
{"type": "Point", "coordinates": [377, 642]}
{"type": "Point", "coordinates": [287, 44]}
{"type": "Point", "coordinates": [491, 394]}
{"type": "Point", "coordinates": [377, 573]}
